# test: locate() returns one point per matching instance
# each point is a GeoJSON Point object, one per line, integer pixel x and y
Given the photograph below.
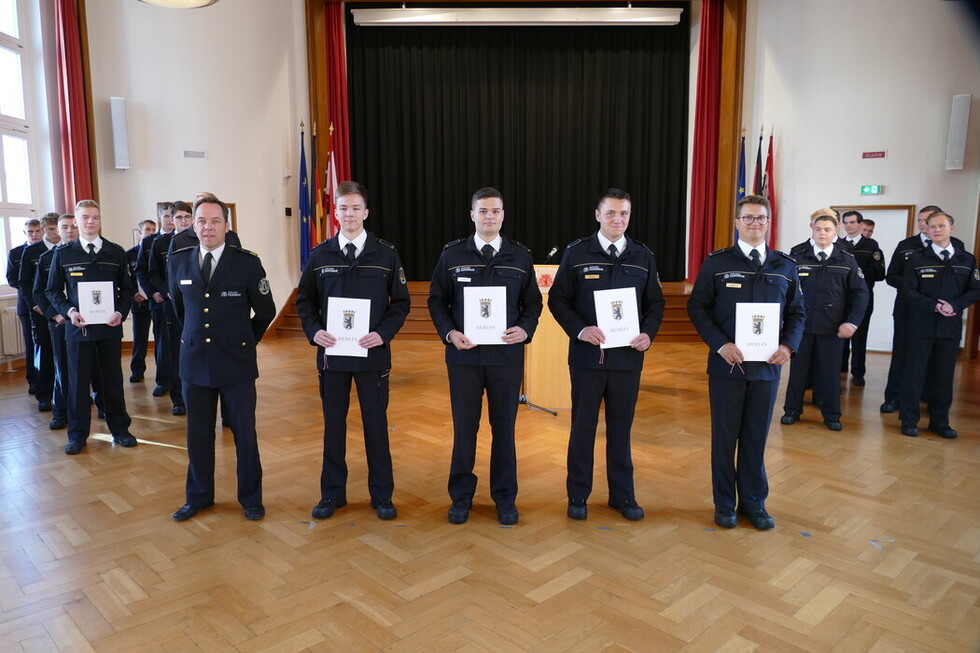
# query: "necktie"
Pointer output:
{"type": "Point", "coordinates": [351, 249]}
{"type": "Point", "coordinates": [928, 242]}
{"type": "Point", "coordinates": [822, 256]}
{"type": "Point", "coordinates": [945, 256]}
{"type": "Point", "coordinates": [91, 251]}
{"type": "Point", "coordinates": [756, 261]}
{"type": "Point", "coordinates": [613, 252]}
{"type": "Point", "coordinates": [487, 252]}
{"type": "Point", "coordinates": [206, 268]}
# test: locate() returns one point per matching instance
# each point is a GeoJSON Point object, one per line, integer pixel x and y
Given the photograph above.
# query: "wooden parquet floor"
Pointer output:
{"type": "Point", "coordinates": [876, 548]}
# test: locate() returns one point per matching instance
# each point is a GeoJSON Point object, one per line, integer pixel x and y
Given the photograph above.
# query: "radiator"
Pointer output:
{"type": "Point", "coordinates": [11, 336]}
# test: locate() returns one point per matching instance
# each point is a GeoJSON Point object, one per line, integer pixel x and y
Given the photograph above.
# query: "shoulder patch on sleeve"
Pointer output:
{"type": "Point", "coordinates": [455, 242]}
{"type": "Point", "coordinates": [876, 256]}
{"type": "Point", "coordinates": [264, 286]}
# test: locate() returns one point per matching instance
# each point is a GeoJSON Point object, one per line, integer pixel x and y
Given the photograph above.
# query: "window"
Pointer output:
{"type": "Point", "coordinates": [17, 184]}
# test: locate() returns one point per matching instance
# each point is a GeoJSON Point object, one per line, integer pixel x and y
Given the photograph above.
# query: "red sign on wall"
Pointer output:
{"type": "Point", "coordinates": [874, 155]}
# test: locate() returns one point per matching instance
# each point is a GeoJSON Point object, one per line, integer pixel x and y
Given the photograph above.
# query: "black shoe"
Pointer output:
{"type": "Point", "coordinates": [160, 390]}
{"type": "Point", "coordinates": [834, 424]}
{"type": "Point", "coordinates": [74, 447]}
{"type": "Point", "coordinates": [857, 380]}
{"type": "Point", "coordinates": [507, 515]}
{"type": "Point", "coordinates": [888, 407]}
{"type": "Point", "coordinates": [758, 517]}
{"type": "Point", "coordinates": [125, 440]}
{"type": "Point", "coordinates": [385, 508]}
{"type": "Point", "coordinates": [179, 409]}
{"type": "Point", "coordinates": [254, 513]}
{"type": "Point", "coordinates": [44, 406]}
{"type": "Point", "coordinates": [789, 418]}
{"type": "Point", "coordinates": [57, 423]}
{"type": "Point", "coordinates": [910, 430]}
{"type": "Point", "coordinates": [944, 431]}
{"type": "Point", "coordinates": [628, 509]}
{"type": "Point", "coordinates": [187, 511]}
{"type": "Point", "coordinates": [135, 378]}
{"type": "Point", "coordinates": [725, 518]}
{"type": "Point", "coordinates": [578, 509]}
{"type": "Point", "coordinates": [459, 512]}
{"type": "Point", "coordinates": [326, 508]}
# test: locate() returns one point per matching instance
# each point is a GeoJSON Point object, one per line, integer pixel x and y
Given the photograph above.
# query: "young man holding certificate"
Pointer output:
{"type": "Point", "coordinates": [742, 389]}
{"type": "Point", "coordinates": [607, 298]}
{"type": "Point", "coordinates": [836, 297]}
{"type": "Point", "coordinates": [485, 304]}
{"type": "Point", "coordinates": [89, 283]}
{"type": "Point", "coordinates": [352, 300]}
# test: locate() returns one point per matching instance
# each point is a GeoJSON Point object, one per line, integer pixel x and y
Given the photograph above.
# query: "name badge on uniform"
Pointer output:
{"type": "Point", "coordinates": [186, 282]}
{"type": "Point", "coordinates": [733, 285]}
{"type": "Point", "coordinates": [804, 274]}
{"type": "Point", "coordinates": [928, 276]}
{"type": "Point", "coordinates": [463, 279]}
{"type": "Point", "coordinates": [593, 276]}
{"type": "Point", "coordinates": [77, 274]}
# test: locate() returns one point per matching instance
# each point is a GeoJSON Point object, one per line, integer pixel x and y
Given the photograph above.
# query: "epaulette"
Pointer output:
{"type": "Point", "coordinates": [184, 249]}
{"type": "Point", "coordinates": [719, 251]}
{"type": "Point", "coordinates": [521, 245]}
{"type": "Point", "coordinates": [643, 245]}
{"type": "Point", "coordinates": [110, 244]}
{"type": "Point", "coordinates": [849, 253]}
{"type": "Point", "coordinates": [243, 250]}
{"type": "Point", "coordinates": [455, 242]}
{"type": "Point", "coordinates": [576, 242]}
{"type": "Point", "coordinates": [385, 243]}
{"type": "Point", "coordinates": [63, 245]}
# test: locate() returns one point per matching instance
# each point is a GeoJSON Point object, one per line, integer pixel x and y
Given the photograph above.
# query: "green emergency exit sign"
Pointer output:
{"type": "Point", "coordinates": [871, 189]}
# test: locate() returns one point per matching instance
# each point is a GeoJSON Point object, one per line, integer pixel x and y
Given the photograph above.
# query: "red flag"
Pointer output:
{"type": "Point", "coordinates": [769, 192]}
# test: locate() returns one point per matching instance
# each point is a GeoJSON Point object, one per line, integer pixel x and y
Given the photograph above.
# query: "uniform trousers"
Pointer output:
{"type": "Point", "coordinates": [30, 370]}
{"type": "Point", "coordinates": [59, 351]}
{"type": "Point", "coordinates": [174, 329]}
{"type": "Point", "coordinates": [141, 336]}
{"type": "Point", "coordinates": [83, 358]}
{"type": "Point", "coordinates": [619, 390]}
{"type": "Point", "coordinates": [929, 363]}
{"type": "Point", "coordinates": [160, 348]}
{"type": "Point", "coordinates": [816, 359]}
{"type": "Point", "coordinates": [372, 395]}
{"type": "Point", "coordinates": [741, 411]}
{"type": "Point", "coordinates": [857, 346]}
{"type": "Point", "coordinates": [202, 413]}
{"type": "Point", "coordinates": [467, 384]}
{"type": "Point", "coordinates": [902, 342]}
{"type": "Point", "coordinates": [43, 358]}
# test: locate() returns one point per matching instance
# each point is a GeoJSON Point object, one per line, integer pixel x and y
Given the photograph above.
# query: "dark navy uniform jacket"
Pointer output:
{"type": "Point", "coordinates": [376, 274]}
{"type": "Point", "coordinates": [833, 293]}
{"type": "Point", "coordinates": [132, 256]}
{"type": "Point", "coordinates": [896, 267]}
{"type": "Point", "coordinates": [871, 260]}
{"type": "Point", "coordinates": [727, 278]}
{"type": "Point", "coordinates": [157, 270]}
{"type": "Point", "coordinates": [461, 265]}
{"type": "Point", "coordinates": [220, 331]}
{"type": "Point", "coordinates": [142, 273]}
{"type": "Point", "coordinates": [72, 264]}
{"type": "Point", "coordinates": [41, 283]}
{"type": "Point", "coordinates": [13, 278]}
{"type": "Point", "coordinates": [926, 279]}
{"type": "Point", "coordinates": [585, 268]}
{"type": "Point", "coordinates": [28, 270]}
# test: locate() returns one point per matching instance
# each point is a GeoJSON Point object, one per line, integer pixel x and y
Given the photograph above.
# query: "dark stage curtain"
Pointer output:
{"type": "Point", "coordinates": [549, 115]}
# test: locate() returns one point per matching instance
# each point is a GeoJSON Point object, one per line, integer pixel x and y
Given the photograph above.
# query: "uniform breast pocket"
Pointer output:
{"type": "Point", "coordinates": [636, 277]}
{"type": "Point", "coordinates": [775, 288]}
{"type": "Point", "coordinates": [508, 277]}
{"type": "Point", "coordinates": [373, 275]}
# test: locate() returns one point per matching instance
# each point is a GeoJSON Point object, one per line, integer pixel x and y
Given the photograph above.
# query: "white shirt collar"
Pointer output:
{"type": "Point", "coordinates": [939, 250]}
{"type": "Point", "coordinates": [215, 255]}
{"type": "Point", "coordinates": [495, 243]}
{"type": "Point", "coordinates": [855, 239]}
{"type": "Point", "coordinates": [829, 251]}
{"type": "Point", "coordinates": [358, 241]}
{"type": "Point", "coordinates": [924, 238]}
{"type": "Point", "coordinates": [746, 249]}
{"type": "Point", "coordinates": [605, 243]}
{"type": "Point", "coordinates": [97, 242]}
{"type": "Point", "coordinates": [48, 243]}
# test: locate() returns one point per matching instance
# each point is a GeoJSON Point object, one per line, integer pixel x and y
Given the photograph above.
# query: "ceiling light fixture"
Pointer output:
{"type": "Point", "coordinates": [511, 17]}
{"type": "Point", "coordinates": [180, 4]}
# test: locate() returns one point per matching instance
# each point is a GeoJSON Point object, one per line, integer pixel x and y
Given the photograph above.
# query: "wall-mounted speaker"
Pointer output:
{"type": "Point", "coordinates": [120, 132]}
{"type": "Point", "coordinates": [959, 123]}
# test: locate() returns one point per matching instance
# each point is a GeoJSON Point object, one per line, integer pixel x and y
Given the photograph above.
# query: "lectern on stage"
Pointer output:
{"type": "Point", "coordinates": [546, 380]}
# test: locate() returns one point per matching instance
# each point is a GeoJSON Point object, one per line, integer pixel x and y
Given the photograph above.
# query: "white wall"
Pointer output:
{"type": "Point", "coordinates": [229, 79]}
{"type": "Point", "coordinates": [838, 77]}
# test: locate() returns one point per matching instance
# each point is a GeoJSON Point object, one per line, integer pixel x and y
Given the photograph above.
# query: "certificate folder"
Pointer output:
{"type": "Point", "coordinates": [617, 315]}
{"type": "Point", "coordinates": [348, 320]}
{"type": "Point", "coordinates": [757, 329]}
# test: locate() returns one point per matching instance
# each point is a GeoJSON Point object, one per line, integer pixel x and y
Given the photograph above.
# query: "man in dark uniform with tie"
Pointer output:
{"type": "Point", "coordinates": [92, 259]}
{"type": "Point", "coordinates": [609, 259]}
{"type": "Point", "coordinates": [141, 308]}
{"type": "Point", "coordinates": [39, 344]}
{"type": "Point", "coordinates": [354, 264]}
{"type": "Point", "coordinates": [68, 231]}
{"type": "Point", "coordinates": [939, 282]}
{"type": "Point", "coordinates": [158, 279]}
{"type": "Point", "coordinates": [34, 232]}
{"type": "Point", "coordinates": [835, 298]}
{"type": "Point", "coordinates": [223, 302]}
{"type": "Point", "coordinates": [484, 259]}
{"type": "Point", "coordinates": [871, 260]}
{"type": "Point", "coordinates": [900, 314]}
{"type": "Point", "coordinates": [156, 298]}
{"type": "Point", "coordinates": [742, 393]}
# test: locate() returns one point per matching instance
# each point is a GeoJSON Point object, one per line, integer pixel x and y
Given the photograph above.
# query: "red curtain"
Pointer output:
{"type": "Point", "coordinates": [75, 162]}
{"type": "Point", "coordinates": [704, 171]}
{"type": "Point", "coordinates": [337, 89]}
